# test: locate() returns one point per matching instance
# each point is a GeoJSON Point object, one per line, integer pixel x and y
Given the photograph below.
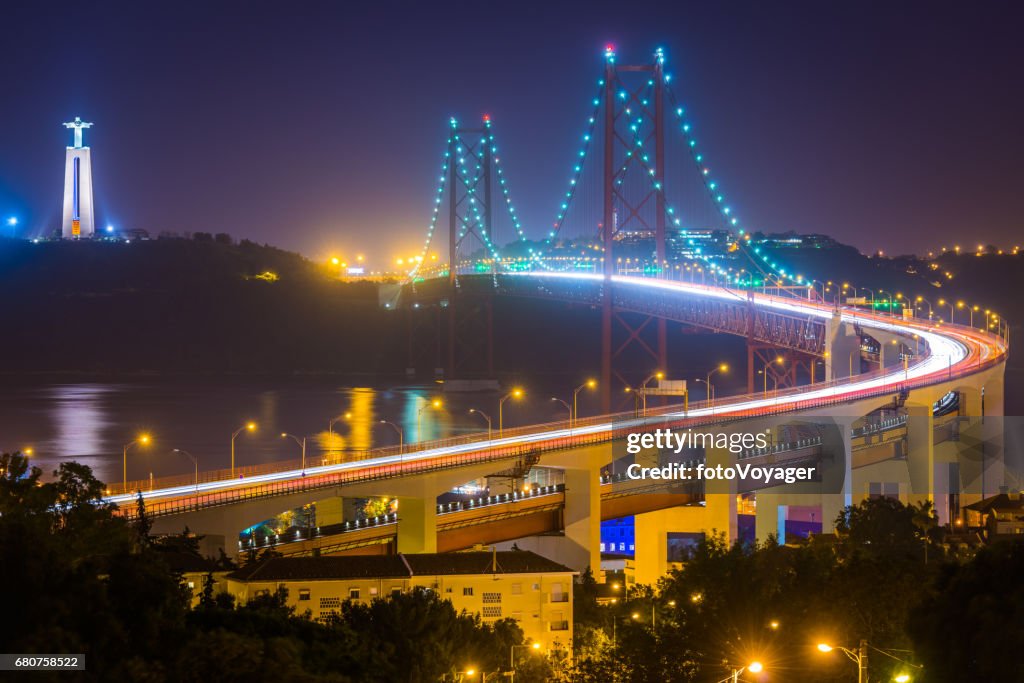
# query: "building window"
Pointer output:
{"type": "Point", "coordinates": [492, 598]}
{"type": "Point", "coordinates": [448, 589]}
{"type": "Point", "coordinates": [191, 584]}
{"type": "Point", "coordinates": [353, 593]}
{"type": "Point", "coordinates": [602, 547]}
{"type": "Point", "coordinates": [536, 586]}
{"type": "Point", "coordinates": [467, 590]}
{"type": "Point", "coordinates": [517, 589]}
{"type": "Point", "coordinates": [492, 612]}
{"type": "Point", "coordinates": [330, 603]}
{"type": "Point", "coordinates": [373, 590]}
{"type": "Point", "coordinates": [303, 594]}
{"type": "Point", "coordinates": [396, 591]}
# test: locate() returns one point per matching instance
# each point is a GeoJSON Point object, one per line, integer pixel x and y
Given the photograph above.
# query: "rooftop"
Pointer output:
{"type": "Point", "coordinates": [397, 566]}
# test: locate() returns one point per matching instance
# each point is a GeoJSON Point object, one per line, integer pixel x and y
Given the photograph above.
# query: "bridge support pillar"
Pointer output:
{"type": "Point", "coordinates": [838, 483]}
{"type": "Point", "coordinates": [921, 450]}
{"type": "Point", "coordinates": [843, 359]}
{"type": "Point", "coordinates": [579, 544]}
{"type": "Point", "coordinates": [417, 525]}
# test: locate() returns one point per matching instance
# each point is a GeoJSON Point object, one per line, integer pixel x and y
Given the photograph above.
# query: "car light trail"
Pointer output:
{"type": "Point", "coordinates": [951, 350]}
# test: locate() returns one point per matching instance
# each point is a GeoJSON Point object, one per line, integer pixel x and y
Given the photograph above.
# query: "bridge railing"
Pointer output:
{"type": "Point", "coordinates": [489, 451]}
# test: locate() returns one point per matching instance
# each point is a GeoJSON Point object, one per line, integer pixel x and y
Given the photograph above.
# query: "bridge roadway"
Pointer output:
{"type": "Point", "coordinates": [220, 502]}
{"type": "Point", "coordinates": [516, 514]}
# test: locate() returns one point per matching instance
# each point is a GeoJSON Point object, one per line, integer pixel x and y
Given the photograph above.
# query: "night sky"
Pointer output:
{"type": "Point", "coordinates": [318, 126]}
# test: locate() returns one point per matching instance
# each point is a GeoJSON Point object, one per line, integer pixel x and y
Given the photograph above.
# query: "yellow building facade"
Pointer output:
{"type": "Point", "coordinates": [521, 585]}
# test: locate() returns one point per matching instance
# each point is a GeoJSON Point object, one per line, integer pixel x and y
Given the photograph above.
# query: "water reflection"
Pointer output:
{"type": "Point", "coordinates": [91, 422]}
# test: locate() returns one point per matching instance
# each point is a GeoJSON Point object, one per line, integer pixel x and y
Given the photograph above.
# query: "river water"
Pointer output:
{"type": "Point", "coordinates": [90, 422]}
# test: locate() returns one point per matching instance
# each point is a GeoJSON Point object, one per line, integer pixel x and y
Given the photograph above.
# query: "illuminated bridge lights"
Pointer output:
{"type": "Point", "coordinates": [951, 351]}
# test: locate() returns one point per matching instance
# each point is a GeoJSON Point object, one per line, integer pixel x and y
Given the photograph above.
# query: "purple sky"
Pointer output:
{"type": "Point", "coordinates": [319, 126]}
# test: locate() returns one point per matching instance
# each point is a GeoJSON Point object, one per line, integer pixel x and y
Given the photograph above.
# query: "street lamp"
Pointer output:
{"type": "Point", "coordinates": [247, 427]}
{"type": "Point", "coordinates": [515, 393]}
{"type": "Point", "coordinates": [142, 439]}
{"type": "Point", "coordinates": [401, 437]}
{"type": "Point", "coordinates": [589, 384]}
{"type": "Point", "coordinates": [721, 368]}
{"type": "Point", "coordinates": [707, 386]}
{"type": "Point", "coordinates": [754, 667]}
{"type": "Point", "coordinates": [659, 375]}
{"type": "Point", "coordinates": [568, 408]}
{"type": "Point", "coordinates": [535, 646]}
{"type": "Point", "coordinates": [436, 403]}
{"type": "Point", "coordinates": [920, 300]}
{"type": "Point", "coordinates": [302, 445]}
{"type": "Point", "coordinates": [778, 360]}
{"type": "Point", "coordinates": [195, 462]}
{"type": "Point", "coordinates": [860, 657]}
{"type": "Point", "coordinates": [484, 416]}
{"type": "Point", "coordinates": [891, 300]}
{"type": "Point", "coordinates": [337, 418]}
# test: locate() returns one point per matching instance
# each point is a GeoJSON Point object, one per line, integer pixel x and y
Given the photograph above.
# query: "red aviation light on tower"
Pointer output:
{"type": "Point", "coordinates": [487, 118]}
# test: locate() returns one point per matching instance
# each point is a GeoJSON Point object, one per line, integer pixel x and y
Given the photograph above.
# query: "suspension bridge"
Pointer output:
{"type": "Point", "coordinates": [642, 215]}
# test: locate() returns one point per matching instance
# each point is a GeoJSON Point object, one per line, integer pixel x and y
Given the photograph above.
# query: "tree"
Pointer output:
{"type": "Point", "coordinates": [968, 628]}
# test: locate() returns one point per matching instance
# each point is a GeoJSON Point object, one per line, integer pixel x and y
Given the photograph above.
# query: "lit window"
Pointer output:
{"type": "Point", "coordinates": [303, 594]}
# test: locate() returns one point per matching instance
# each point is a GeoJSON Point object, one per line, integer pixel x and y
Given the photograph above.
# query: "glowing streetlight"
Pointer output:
{"type": "Point", "coordinates": [589, 384]}
{"type": "Point", "coordinates": [436, 404]}
{"type": "Point", "coordinates": [859, 657]}
{"type": "Point", "coordinates": [337, 418]}
{"type": "Point", "coordinates": [658, 375]}
{"type": "Point", "coordinates": [711, 391]}
{"type": "Point", "coordinates": [754, 667]}
{"type": "Point", "coordinates": [779, 360]}
{"type": "Point", "coordinates": [247, 427]}
{"type": "Point", "coordinates": [516, 393]}
{"type": "Point", "coordinates": [142, 439]}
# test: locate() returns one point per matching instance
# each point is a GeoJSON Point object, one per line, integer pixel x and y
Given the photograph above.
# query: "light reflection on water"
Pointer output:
{"type": "Point", "coordinates": [90, 422]}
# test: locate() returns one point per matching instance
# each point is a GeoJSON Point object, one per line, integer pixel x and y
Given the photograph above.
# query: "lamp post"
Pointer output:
{"type": "Point", "coordinates": [142, 439]}
{"type": "Point", "coordinates": [860, 657]}
{"type": "Point", "coordinates": [436, 403]}
{"type": "Point", "coordinates": [920, 300]}
{"type": "Point", "coordinates": [337, 418]}
{"type": "Point", "coordinates": [535, 646]}
{"type": "Point", "coordinates": [302, 445]}
{"type": "Point", "coordinates": [707, 385]}
{"type": "Point", "coordinates": [515, 393]}
{"type": "Point", "coordinates": [195, 462]}
{"type": "Point", "coordinates": [779, 360]}
{"type": "Point", "coordinates": [891, 300]}
{"type": "Point", "coordinates": [484, 416]}
{"type": "Point", "coordinates": [568, 408]}
{"type": "Point", "coordinates": [247, 427]}
{"type": "Point", "coordinates": [659, 375]}
{"type": "Point", "coordinates": [753, 667]}
{"type": "Point", "coordinates": [589, 384]}
{"type": "Point", "coordinates": [721, 368]}
{"type": "Point", "coordinates": [401, 437]}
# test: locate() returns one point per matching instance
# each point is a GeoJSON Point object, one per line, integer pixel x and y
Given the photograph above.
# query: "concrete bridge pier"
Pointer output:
{"type": "Point", "coordinates": [579, 545]}
{"type": "Point", "coordinates": [842, 344]}
{"type": "Point", "coordinates": [417, 525]}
